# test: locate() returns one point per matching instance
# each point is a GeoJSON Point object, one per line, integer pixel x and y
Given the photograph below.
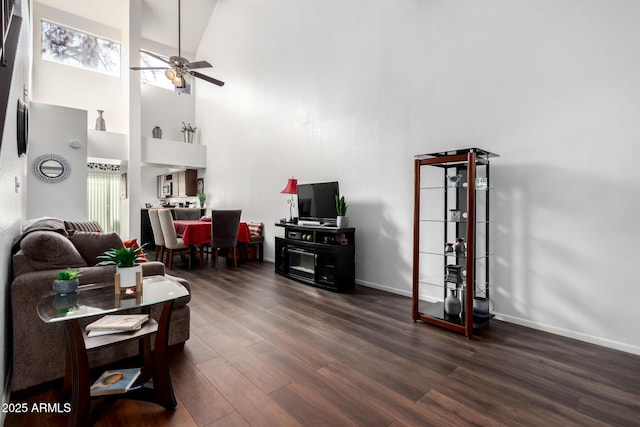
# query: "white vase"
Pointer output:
{"type": "Point", "coordinates": [188, 137]}
{"type": "Point", "coordinates": [100, 124]}
{"type": "Point", "coordinates": [128, 275]}
{"type": "Point", "coordinates": [342, 221]}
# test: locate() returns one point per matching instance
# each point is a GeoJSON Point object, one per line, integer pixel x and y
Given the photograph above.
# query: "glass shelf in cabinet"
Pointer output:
{"type": "Point", "coordinates": [455, 255]}
{"type": "Point", "coordinates": [443, 187]}
{"type": "Point", "coordinates": [435, 280]}
{"type": "Point", "coordinates": [487, 221]}
{"type": "Point", "coordinates": [436, 310]}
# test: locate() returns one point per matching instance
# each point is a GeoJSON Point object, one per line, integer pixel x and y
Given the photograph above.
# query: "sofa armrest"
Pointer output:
{"type": "Point", "coordinates": [152, 268]}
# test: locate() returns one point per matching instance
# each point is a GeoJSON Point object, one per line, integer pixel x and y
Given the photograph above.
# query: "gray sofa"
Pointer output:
{"type": "Point", "coordinates": [40, 253]}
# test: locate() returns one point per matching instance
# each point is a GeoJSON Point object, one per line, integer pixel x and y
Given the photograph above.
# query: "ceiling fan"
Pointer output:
{"type": "Point", "coordinates": [179, 66]}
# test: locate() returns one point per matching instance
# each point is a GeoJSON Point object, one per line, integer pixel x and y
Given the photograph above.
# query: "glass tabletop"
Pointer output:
{"type": "Point", "coordinates": [100, 298]}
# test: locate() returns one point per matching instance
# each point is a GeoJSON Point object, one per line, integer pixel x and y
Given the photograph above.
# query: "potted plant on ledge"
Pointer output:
{"type": "Point", "coordinates": [188, 131]}
{"type": "Point", "coordinates": [126, 262]}
{"type": "Point", "coordinates": [341, 209]}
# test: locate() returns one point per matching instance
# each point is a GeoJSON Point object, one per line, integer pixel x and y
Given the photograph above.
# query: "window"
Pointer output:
{"type": "Point", "coordinates": [103, 199]}
{"type": "Point", "coordinates": [154, 77]}
{"type": "Point", "coordinates": [78, 49]}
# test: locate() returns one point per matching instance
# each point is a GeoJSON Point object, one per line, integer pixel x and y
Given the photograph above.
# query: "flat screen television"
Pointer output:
{"type": "Point", "coordinates": [317, 201]}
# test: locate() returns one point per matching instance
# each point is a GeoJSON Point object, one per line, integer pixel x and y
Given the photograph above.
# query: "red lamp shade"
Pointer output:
{"type": "Point", "coordinates": [292, 187]}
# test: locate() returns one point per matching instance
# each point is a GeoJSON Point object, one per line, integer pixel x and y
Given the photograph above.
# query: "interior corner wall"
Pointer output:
{"type": "Point", "coordinates": [352, 91]}
{"type": "Point", "coordinates": [13, 204]}
{"type": "Point", "coordinates": [52, 128]}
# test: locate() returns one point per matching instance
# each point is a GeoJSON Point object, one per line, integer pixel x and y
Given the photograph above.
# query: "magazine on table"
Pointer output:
{"type": "Point", "coordinates": [99, 332]}
{"type": "Point", "coordinates": [121, 322]}
{"type": "Point", "coordinates": [115, 381]}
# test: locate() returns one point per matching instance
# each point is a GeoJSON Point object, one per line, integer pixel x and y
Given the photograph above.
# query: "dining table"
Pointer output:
{"type": "Point", "coordinates": [196, 232]}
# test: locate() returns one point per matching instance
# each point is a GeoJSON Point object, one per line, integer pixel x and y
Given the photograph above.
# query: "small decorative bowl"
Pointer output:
{"type": "Point", "coordinates": [65, 286]}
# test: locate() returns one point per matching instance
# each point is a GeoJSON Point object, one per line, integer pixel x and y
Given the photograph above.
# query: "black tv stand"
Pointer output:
{"type": "Point", "coordinates": [317, 255]}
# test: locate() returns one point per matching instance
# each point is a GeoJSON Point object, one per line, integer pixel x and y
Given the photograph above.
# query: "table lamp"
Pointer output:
{"type": "Point", "coordinates": [291, 188]}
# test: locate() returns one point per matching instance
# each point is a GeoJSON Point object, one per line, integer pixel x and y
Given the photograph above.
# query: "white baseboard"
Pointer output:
{"type": "Point", "coordinates": [384, 288]}
{"type": "Point", "coordinates": [534, 325]}
{"type": "Point", "coordinates": [570, 334]}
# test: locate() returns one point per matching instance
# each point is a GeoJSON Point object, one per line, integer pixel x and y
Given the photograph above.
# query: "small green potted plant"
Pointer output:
{"type": "Point", "coordinates": [66, 281]}
{"type": "Point", "coordinates": [202, 197]}
{"type": "Point", "coordinates": [188, 132]}
{"type": "Point", "coordinates": [341, 209]}
{"type": "Point", "coordinates": [126, 261]}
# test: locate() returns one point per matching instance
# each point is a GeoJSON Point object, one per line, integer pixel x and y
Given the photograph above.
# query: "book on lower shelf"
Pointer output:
{"type": "Point", "coordinates": [99, 332]}
{"type": "Point", "coordinates": [115, 381]}
{"type": "Point", "coordinates": [120, 322]}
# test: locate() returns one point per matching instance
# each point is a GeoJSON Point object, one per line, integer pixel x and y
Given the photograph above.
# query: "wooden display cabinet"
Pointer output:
{"type": "Point", "coordinates": [451, 239]}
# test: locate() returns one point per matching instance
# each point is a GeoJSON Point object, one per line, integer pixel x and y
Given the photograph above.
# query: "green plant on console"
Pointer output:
{"type": "Point", "coordinates": [341, 206]}
{"type": "Point", "coordinates": [202, 197]}
{"type": "Point", "coordinates": [186, 127]}
{"type": "Point", "coordinates": [122, 257]}
{"type": "Point", "coordinates": [68, 274]}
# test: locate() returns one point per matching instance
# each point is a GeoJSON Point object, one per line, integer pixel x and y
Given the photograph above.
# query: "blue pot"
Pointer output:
{"type": "Point", "coordinates": [65, 286]}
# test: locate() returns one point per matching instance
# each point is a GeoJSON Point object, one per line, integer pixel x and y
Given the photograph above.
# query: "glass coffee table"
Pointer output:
{"type": "Point", "coordinates": [101, 299]}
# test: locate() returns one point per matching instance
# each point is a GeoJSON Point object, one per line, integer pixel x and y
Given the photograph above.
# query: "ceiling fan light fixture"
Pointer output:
{"type": "Point", "coordinates": [170, 73]}
{"type": "Point", "coordinates": [180, 66]}
{"type": "Point", "coordinates": [178, 81]}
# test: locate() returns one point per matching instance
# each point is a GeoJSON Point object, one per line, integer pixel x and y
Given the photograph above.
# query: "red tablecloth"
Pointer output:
{"type": "Point", "coordinates": [197, 232]}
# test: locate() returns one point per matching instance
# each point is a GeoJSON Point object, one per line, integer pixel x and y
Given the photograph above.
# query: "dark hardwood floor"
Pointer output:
{"type": "Point", "coordinates": [267, 351]}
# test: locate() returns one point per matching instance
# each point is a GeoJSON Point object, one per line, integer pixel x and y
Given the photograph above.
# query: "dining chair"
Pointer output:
{"type": "Point", "coordinates": [156, 228]}
{"type": "Point", "coordinates": [174, 245]}
{"type": "Point", "coordinates": [224, 233]}
{"type": "Point", "coordinates": [187, 213]}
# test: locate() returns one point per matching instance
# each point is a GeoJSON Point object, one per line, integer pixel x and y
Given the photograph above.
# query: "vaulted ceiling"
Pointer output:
{"type": "Point", "coordinates": [160, 21]}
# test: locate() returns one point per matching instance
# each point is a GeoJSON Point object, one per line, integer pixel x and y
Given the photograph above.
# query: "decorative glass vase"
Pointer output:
{"type": "Point", "coordinates": [100, 124]}
{"type": "Point", "coordinates": [460, 247]}
{"type": "Point", "coordinates": [157, 132]}
{"type": "Point", "coordinates": [452, 304]}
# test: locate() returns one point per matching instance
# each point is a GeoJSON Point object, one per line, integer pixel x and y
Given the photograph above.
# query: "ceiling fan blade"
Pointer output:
{"type": "Point", "coordinates": [207, 78]}
{"type": "Point", "coordinates": [199, 64]}
{"type": "Point", "coordinates": [156, 56]}
{"type": "Point", "coordinates": [149, 68]}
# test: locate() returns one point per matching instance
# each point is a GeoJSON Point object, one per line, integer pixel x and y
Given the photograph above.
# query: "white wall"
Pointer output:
{"type": "Point", "coordinates": [75, 88]}
{"type": "Point", "coordinates": [325, 90]}
{"type": "Point", "coordinates": [52, 128]}
{"type": "Point", "coordinates": [13, 204]}
{"type": "Point", "coordinates": [59, 84]}
{"type": "Point", "coordinates": [167, 109]}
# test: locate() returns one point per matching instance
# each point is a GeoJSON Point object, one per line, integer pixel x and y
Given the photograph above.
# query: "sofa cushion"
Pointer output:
{"type": "Point", "coordinates": [90, 245]}
{"type": "Point", "coordinates": [48, 250]}
{"type": "Point", "coordinates": [133, 243]}
{"type": "Point", "coordinates": [73, 226]}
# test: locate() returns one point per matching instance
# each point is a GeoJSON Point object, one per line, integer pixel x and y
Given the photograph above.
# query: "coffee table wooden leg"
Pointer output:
{"type": "Point", "coordinates": [163, 390]}
{"type": "Point", "coordinates": [79, 375]}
